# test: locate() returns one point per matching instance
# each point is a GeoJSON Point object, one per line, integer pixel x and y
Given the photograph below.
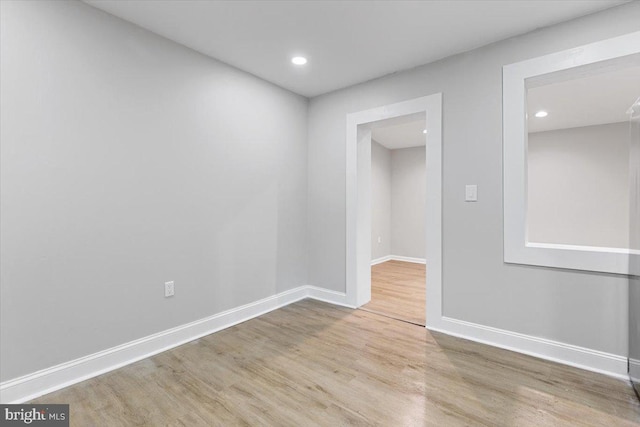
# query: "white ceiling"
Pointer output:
{"type": "Point", "coordinates": [346, 42]}
{"type": "Point", "coordinates": [400, 132]}
{"type": "Point", "coordinates": [598, 99]}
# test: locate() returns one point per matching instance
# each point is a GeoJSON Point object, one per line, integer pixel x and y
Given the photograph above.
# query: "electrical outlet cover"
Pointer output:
{"type": "Point", "coordinates": [169, 289]}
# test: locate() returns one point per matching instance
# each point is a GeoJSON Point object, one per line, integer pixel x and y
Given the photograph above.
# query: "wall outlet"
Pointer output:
{"type": "Point", "coordinates": [379, 239]}
{"type": "Point", "coordinates": [168, 289]}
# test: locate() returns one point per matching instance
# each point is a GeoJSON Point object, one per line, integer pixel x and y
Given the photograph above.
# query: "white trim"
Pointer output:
{"type": "Point", "coordinates": [580, 357]}
{"type": "Point", "coordinates": [332, 297]}
{"type": "Point", "coordinates": [381, 260]}
{"type": "Point", "coordinates": [398, 258]}
{"type": "Point", "coordinates": [408, 259]}
{"type": "Point", "coordinates": [634, 370]}
{"type": "Point", "coordinates": [583, 248]}
{"type": "Point", "coordinates": [358, 240]}
{"type": "Point", "coordinates": [33, 385]}
{"type": "Point", "coordinates": [516, 78]}
{"type": "Point", "coordinates": [36, 384]}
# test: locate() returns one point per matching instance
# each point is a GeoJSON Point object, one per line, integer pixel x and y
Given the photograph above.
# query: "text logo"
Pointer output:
{"type": "Point", "coordinates": [34, 415]}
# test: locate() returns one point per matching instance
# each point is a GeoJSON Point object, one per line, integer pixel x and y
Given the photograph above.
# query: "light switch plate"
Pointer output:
{"type": "Point", "coordinates": [471, 193]}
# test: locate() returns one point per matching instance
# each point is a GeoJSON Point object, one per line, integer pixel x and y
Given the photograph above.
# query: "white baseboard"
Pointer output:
{"type": "Point", "coordinates": [567, 354]}
{"type": "Point", "coordinates": [408, 259]}
{"type": "Point", "coordinates": [381, 260]}
{"type": "Point", "coordinates": [634, 370]}
{"type": "Point", "coordinates": [51, 379]}
{"type": "Point", "coordinates": [33, 385]}
{"type": "Point", "coordinates": [398, 258]}
{"type": "Point", "coordinates": [332, 297]}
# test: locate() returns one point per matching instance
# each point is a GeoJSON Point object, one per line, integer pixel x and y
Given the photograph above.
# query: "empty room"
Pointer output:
{"type": "Point", "coordinates": [319, 213]}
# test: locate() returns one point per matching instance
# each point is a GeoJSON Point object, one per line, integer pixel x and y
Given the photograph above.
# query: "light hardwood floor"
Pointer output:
{"type": "Point", "coordinates": [398, 290]}
{"type": "Point", "coordinates": [312, 363]}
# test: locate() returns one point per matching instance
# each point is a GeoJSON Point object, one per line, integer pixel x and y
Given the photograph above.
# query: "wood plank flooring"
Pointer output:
{"type": "Point", "coordinates": [312, 363]}
{"type": "Point", "coordinates": [398, 290]}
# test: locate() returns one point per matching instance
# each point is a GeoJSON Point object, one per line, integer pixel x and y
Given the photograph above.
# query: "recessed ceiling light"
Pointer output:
{"type": "Point", "coordinates": [541, 114]}
{"type": "Point", "coordinates": [299, 60]}
{"type": "Point", "coordinates": [424, 131]}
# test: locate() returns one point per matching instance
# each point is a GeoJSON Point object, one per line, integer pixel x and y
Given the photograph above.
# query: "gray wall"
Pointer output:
{"type": "Point", "coordinates": [380, 201]}
{"type": "Point", "coordinates": [127, 161]}
{"type": "Point", "coordinates": [579, 308]}
{"type": "Point", "coordinates": [408, 192]}
{"type": "Point", "coordinates": [398, 181]}
{"type": "Point", "coordinates": [578, 186]}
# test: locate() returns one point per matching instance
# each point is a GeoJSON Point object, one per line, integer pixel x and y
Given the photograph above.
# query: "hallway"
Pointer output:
{"type": "Point", "coordinates": [398, 291]}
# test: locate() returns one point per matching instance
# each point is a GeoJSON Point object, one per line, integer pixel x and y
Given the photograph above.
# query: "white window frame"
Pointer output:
{"type": "Point", "coordinates": [514, 77]}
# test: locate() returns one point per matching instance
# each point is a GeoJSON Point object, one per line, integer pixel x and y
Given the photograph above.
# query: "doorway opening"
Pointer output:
{"type": "Point", "coordinates": [398, 190]}
{"type": "Point", "coordinates": [360, 245]}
